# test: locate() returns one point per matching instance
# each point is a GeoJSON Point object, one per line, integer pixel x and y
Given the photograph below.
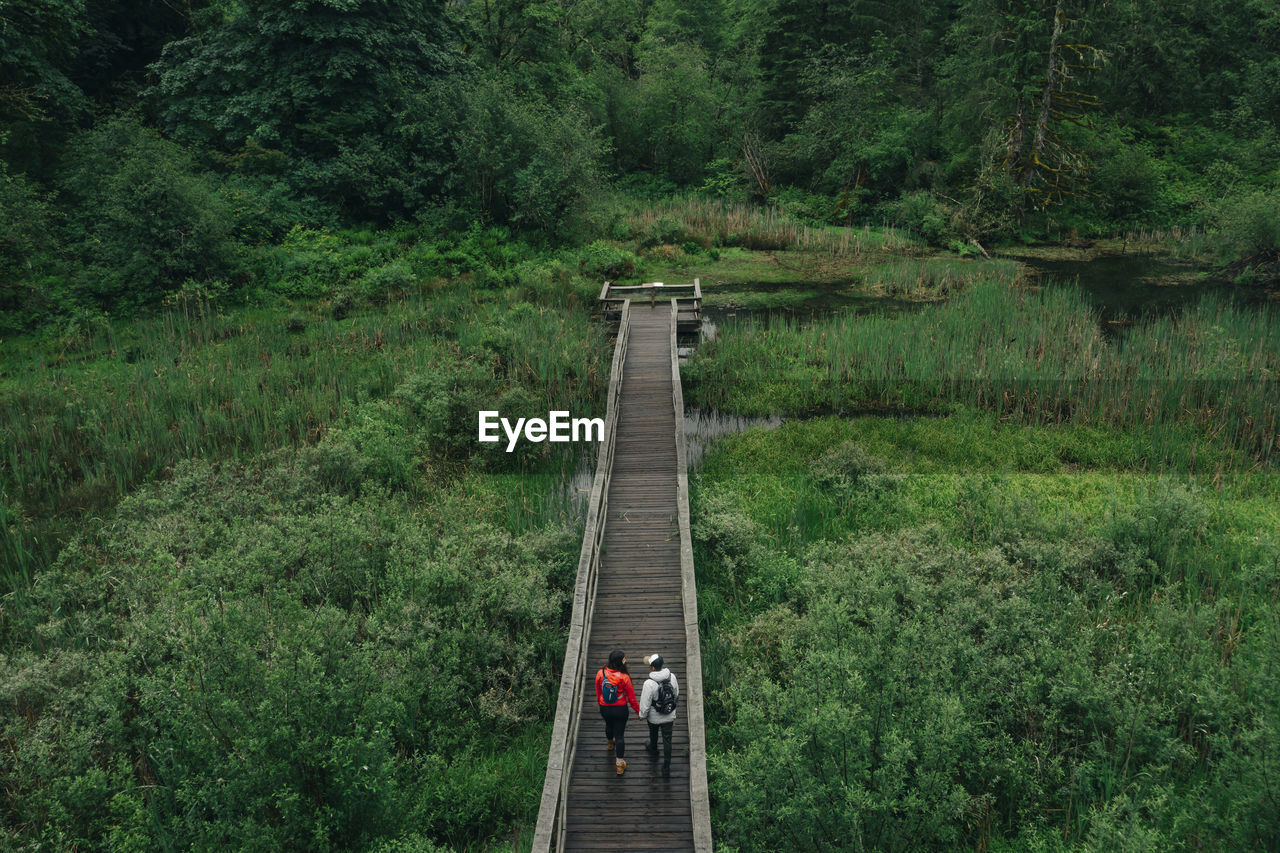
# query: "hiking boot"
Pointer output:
{"type": "Point", "coordinates": [621, 765]}
{"type": "Point", "coordinates": [610, 747]}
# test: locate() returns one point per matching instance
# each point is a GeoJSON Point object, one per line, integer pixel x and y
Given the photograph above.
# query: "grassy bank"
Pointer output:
{"type": "Point", "coordinates": [960, 633]}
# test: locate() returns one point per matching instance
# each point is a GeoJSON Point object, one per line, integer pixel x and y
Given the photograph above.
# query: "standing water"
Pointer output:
{"type": "Point", "coordinates": [1125, 288]}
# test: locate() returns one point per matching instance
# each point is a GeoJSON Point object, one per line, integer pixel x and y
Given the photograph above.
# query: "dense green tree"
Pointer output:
{"type": "Point", "coordinates": [123, 37]}
{"type": "Point", "coordinates": [37, 43]}
{"type": "Point", "coordinates": [859, 140]}
{"type": "Point", "coordinates": [1018, 79]}
{"type": "Point", "coordinates": [26, 249]}
{"type": "Point", "coordinates": [337, 95]}
{"type": "Point", "coordinates": [671, 119]}
{"type": "Point", "coordinates": [695, 22]}
{"type": "Point", "coordinates": [521, 161]}
{"type": "Point", "coordinates": [1191, 57]}
{"type": "Point", "coordinates": [143, 218]}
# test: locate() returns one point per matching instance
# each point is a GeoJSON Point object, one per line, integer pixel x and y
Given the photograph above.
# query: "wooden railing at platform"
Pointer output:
{"type": "Point", "coordinates": [686, 297]}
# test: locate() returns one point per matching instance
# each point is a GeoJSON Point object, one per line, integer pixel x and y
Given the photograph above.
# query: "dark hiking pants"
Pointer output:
{"type": "Point", "coordinates": [615, 723]}
{"type": "Point", "coordinates": [665, 728]}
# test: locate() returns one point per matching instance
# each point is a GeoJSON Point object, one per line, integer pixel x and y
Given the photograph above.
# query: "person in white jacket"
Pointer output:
{"type": "Point", "coordinates": [658, 707]}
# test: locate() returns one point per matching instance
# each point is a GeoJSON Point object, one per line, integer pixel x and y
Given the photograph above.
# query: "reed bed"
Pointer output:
{"type": "Point", "coordinates": [934, 278]}
{"type": "Point", "coordinates": [81, 428]}
{"type": "Point", "coordinates": [717, 222]}
{"type": "Point", "coordinates": [1031, 355]}
{"type": "Point", "coordinates": [1191, 243]}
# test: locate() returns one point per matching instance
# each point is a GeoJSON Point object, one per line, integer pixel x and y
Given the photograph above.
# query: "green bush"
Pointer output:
{"type": "Point", "coordinates": [1248, 226]}
{"type": "Point", "coordinates": [921, 212]}
{"type": "Point", "coordinates": [343, 105]}
{"type": "Point", "coordinates": [379, 283]}
{"type": "Point", "coordinates": [296, 657]}
{"type": "Point", "coordinates": [143, 218]}
{"type": "Point", "coordinates": [312, 262]}
{"type": "Point", "coordinates": [604, 262]}
{"type": "Point", "coordinates": [846, 466]}
{"type": "Point", "coordinates": [27, 253]}
{"type": "Point", "coordinates": [1129, 185]}
{"type": "Point", "coordinates": [947, 664]}
{"type": "Point", "coordinates": [523, 163]}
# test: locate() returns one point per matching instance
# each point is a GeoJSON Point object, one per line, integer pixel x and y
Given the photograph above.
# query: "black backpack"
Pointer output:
{"type": "Point", "coordinates": [664, 701]}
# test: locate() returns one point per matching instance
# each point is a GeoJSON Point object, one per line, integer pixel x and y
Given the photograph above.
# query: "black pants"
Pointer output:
{"type": "Point", "coordinates": [615, 723]}
{"type": "Point", "coordinates": [665, 728]}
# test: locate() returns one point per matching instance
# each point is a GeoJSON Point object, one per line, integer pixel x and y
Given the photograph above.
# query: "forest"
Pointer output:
{"type": "Point", "coordinates": [990, 562]}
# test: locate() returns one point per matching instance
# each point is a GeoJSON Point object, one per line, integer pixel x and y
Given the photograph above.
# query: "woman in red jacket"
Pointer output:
{"type": "Point", "coordinates": [614, 692]}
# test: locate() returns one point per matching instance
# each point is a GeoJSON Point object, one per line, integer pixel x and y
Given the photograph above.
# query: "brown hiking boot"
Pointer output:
{"type": "Point", "coordinates": [621, 765]}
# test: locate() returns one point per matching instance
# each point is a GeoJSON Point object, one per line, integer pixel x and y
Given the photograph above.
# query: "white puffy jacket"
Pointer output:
{"type": "Point", "coordinates": [650, 692]}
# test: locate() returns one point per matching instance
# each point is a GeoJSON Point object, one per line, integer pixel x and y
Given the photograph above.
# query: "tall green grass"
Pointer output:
{"type": "Point", "coordinates": [86, 418]}
{"type": "Point", "coordinates": [1026, 355]}
{"type": "Point", "coordinates": [933, 278]}
{"type": "Point", "coordinates": [710, 222]}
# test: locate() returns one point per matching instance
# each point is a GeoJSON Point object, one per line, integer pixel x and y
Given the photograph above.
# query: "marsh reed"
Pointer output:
{"type": "Point", "coordinates": [1033, 355]}
{"type": "Point", "coordinates": [83, 422]}
{"type": "Point", "coordinates": [708, 222]}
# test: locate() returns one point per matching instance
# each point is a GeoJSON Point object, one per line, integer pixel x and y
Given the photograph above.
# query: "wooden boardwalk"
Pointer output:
{"type": "Point", "coordinates": [637, 595]}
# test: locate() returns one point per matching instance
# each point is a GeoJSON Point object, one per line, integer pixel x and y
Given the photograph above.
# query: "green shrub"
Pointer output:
{"type": "Point", "coordinates": [379, 283]}
{"type": "Point", "coordinates": [27, 251]}
{"type": "Point", "coordinates": [523, 163]}
{"type": "Point", "coordinates": [296, 658]}
{"type": "Point", "coordinates": [846, 466]}
{"type": "Point", "coordinates": [1129, 185]}
{"type": "Point", "coordinates": [921, 212]}
{"type": "Point", "coordinates": [312, 262]}
{"type": "Point", "coordinates": [604, 262]}
{"type": "Point", "coordinates": [1248, 226]}
{"type": "Point", "coordinates": [144, 219]}
{"type": "Point", "coordinates": [295, 322]}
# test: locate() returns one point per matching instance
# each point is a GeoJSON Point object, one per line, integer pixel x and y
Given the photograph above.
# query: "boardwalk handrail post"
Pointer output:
{"type": "Point", "coordinates": [699, 799]}
{"type": "Point", "coordinates": [551, 812]}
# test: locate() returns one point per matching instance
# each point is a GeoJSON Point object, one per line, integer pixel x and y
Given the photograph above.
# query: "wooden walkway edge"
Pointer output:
{"type": "Point", "coordinates": [635, 590]}
{"type": "Point", "coordinates": [699, 800]}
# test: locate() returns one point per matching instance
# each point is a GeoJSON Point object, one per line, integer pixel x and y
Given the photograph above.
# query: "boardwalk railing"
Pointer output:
{"type": "Point", "coordinates": [564, 734]}
{"type": "Point", "coordinates": [699, 802]}
{"type": "Point", "coordinates": [686, 297]}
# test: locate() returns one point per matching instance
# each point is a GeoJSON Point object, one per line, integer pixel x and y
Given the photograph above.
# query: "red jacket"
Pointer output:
{"type": "Point", "coordinates": [626, 692]}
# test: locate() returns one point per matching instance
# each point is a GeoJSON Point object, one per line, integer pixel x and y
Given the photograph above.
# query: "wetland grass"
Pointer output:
{"type": "Point", "coordinates": [709, 222]}
{"type": "Point", "coordinates": [87, 421]}
{"type": "Point", "coordinates": [933, 278]}
{"type": "Point", "coordinates": [1027, 355]}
